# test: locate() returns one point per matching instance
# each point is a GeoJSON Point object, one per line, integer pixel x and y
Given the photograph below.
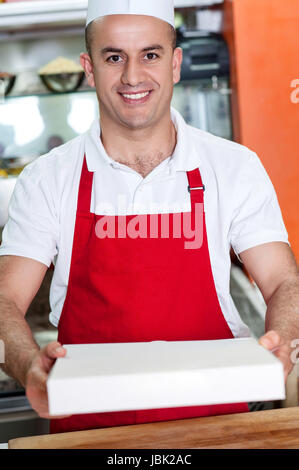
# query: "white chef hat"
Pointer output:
{"type": "Point", "coordinates": [163, 9]}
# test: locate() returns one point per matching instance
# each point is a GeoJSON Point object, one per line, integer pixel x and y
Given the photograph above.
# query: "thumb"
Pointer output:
{"type": "Point", "coordinates": [271, 340]}
{"type": "Point", "coordinates": [54, 350]}
{"type": "Point", "coordinates": [50, 353]}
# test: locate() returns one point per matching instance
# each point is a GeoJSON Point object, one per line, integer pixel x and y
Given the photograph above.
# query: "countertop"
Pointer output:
{"type": "Point", "coordinates": [271, 429]}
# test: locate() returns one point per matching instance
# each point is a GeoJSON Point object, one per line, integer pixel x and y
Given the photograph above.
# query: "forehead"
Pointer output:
{"type": "Point", "coordinates": [130, 29]}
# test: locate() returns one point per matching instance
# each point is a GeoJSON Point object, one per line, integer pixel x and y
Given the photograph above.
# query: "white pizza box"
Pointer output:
{"type": "Point", "coordinates": [161, 374]}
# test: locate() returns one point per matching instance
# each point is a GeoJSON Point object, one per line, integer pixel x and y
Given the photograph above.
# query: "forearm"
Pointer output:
{"type": "Point", "coordinates": [19, 344]}
{"type": "Point", "coordinates": [283, 310]}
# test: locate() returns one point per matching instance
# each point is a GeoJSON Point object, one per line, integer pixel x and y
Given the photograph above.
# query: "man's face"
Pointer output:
{"type": "Point", "coordinates": [133, 68]}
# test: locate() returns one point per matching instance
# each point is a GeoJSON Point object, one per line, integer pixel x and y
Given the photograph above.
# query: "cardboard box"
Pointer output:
{"type": "Point", "coordinates": [160, 374]}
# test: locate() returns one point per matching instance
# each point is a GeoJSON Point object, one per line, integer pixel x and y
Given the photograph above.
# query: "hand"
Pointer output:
{"type": "Point", "coordinates": [37, 375]}
{"type": "Point", "coordinates": [281, 349]}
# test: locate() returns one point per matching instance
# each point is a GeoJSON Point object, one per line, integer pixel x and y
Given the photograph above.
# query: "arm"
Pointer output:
{"type": "Point", "coordinates": [273, 267]}
{"type": "Point", "coordinates": [20, 279]}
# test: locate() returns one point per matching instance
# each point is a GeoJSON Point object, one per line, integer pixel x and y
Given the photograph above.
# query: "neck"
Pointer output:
{"type": "Point", "coordinates": [140, 149]}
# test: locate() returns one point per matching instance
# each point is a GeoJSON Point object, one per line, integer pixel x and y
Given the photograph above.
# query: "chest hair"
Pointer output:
{"type": "Point", "coordinates": [144, 165]}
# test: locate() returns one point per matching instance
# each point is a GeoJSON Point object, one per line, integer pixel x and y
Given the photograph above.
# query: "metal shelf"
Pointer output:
{"type": "Point", "coordinates": [44, 93]}
{"type": "Point", "coordinates": [52, 13]}
{"type": "Point", "coordinates": [16, 16]}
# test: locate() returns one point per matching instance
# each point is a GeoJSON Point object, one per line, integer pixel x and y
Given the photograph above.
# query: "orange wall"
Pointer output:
{"type": "Point", "coordinates": [263, 37]}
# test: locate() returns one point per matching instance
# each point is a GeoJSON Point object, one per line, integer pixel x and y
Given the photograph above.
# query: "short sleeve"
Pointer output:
{"type": "Point", "coordinates": [32, 227]}
{"type": "Point", "coordinates": [257, 217]}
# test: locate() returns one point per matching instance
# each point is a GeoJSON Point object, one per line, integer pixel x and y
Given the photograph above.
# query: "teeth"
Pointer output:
{"type": "Point", "coordinates": [136, 97]}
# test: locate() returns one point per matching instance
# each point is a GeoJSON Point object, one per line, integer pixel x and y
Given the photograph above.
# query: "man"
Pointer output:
{"type": "Point", "coordinates": [137, 286]}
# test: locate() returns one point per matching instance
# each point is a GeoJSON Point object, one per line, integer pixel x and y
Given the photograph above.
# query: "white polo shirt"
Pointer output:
{"type": "Point", "coordinates": [241, 206]}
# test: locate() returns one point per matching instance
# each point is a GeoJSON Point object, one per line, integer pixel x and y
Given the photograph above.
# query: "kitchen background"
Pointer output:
{"type": "Point", "coordinates": [224, 90]}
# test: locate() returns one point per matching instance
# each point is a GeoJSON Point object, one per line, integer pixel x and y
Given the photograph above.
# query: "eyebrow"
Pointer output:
{"type": "Point", "coordinates": [155, 47]}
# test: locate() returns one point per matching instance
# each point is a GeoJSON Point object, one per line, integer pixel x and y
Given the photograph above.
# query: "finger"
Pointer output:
{"type": "Point", "coordinates": [283, 354]}
{"type": "Point", "coordinates": [54, 350]}
{"type": "Point", "coordinates": [271, 340]}
{"type": "Point", "coordinates": [50, 353]}
{"type": "Point", "coordinates": [44, 415]}
{"type": "Point", "coordinates": [60, 417]}
{"type": "Point", "coordinates": [38, 400]}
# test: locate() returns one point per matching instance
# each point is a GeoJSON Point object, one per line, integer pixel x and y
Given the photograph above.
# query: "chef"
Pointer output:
{"type": "Point", "coordinates": [106, 209]}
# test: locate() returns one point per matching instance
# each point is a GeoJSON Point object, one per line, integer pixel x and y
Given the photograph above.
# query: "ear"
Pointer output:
{"type": "Point", "coordinates": [177, 64]}
{"type": "Point", "coordinates": [86, 62]}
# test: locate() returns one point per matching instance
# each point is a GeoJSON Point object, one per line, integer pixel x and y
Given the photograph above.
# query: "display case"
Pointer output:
{"type": "Point", "coordinates": [32, 125]}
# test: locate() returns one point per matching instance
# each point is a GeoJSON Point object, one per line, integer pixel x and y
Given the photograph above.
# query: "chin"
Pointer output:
{"type": "Point", "coordinates": [136, 122]}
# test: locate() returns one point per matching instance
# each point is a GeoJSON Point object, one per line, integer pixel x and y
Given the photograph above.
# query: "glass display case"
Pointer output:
{"type": "Point", "coordinates": [33, 125]}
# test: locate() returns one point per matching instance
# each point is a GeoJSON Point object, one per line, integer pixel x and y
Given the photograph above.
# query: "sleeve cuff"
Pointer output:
{"type": "Point", "coordinates": [41, 258]}
{"type": "Point", "coordinates": [250, 241]}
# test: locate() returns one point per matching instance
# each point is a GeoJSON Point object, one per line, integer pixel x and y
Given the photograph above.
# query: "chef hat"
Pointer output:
{"type": "Point", "coordinates": [163, 9]}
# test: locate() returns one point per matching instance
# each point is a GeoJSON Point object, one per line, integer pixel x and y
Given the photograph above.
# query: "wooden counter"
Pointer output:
{"type": "Point", "coordinates": [271, 429]}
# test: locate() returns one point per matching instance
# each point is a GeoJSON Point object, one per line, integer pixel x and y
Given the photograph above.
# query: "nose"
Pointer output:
{"type": "Point", "coordinates": [133, 73]}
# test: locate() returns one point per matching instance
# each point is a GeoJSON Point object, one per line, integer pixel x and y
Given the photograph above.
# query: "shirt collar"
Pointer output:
{"type": "Point", "coordinates": [184, 158]}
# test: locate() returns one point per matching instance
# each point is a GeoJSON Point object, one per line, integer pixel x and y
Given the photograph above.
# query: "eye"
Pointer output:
{"type": "Point", "coordinates": [114, 59]}
{"type": "Point", "coordinates": [151, 55]}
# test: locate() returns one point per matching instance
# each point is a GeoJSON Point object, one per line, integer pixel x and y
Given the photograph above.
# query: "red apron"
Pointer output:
{"type": "Point", "coordinates": [126, 289]}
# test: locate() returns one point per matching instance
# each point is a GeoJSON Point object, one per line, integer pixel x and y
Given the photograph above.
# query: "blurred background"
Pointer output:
{"type": "Point", "coordinates": [240, 81]}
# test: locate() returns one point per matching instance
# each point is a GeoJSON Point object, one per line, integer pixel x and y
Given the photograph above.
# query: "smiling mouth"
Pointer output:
{"type": "Point", "coordinates": [136, 98]}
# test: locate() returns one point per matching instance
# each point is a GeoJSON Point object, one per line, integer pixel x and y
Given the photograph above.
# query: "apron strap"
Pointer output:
{"type": "Point", "coordinates": [196, 187]}
{"type": "Point", "coordinates": [85, 189]}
